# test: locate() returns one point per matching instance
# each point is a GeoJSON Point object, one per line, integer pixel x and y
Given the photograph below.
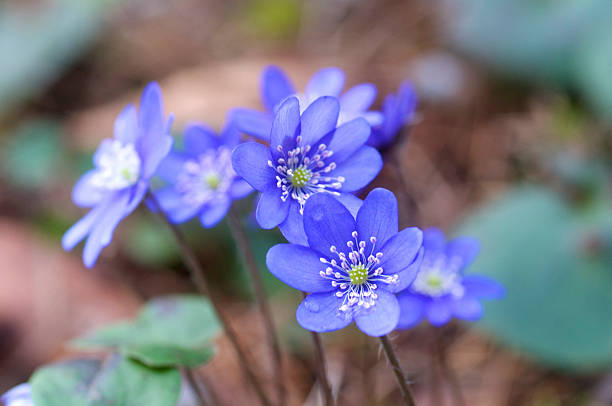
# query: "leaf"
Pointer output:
{"type": "Point", "coordinates": [118, 381]}
{"type": "Point", "coordinates": [173, 330]}
{"type": "Point", "coordinates": [558, 302]}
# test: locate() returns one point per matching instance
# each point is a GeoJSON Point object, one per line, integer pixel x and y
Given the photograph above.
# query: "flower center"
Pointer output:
{"type": "Point", "coordinates": [117, 166]}
{"type": "Point", "coordinates": [300, 177]}
{"type": "Point", "coordinates": [303, 171]}
{"type": "Point", "coordinates": [438, 277]}
{"type": "Point", "coordinates": [206, 177]}
{"type": "Point", "coordinates": [355, 274]}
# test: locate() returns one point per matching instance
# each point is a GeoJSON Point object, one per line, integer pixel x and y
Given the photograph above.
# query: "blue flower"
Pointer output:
{"type": "Point", "coordinates": [398, 110]}
{"type": "Point", "coordinates": [352, 266]}
{"type": "Point", "coordinates": [441, 290]}
{"type": "Point", "coordinates": [123, 167]}
{"type": "Point", "coordinates": [308, 155]}
{"type": "Point", "coordinates": [202, 181]}
{"type": "Point", "coordinates": [276, 87]}
{"type": "Point", "coordinates": [20, 395]}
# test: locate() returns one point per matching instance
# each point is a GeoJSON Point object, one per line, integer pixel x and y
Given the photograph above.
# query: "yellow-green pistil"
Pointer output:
{"type": "Point", "coordinates": [434, 281]}
{"type": "Point", "coordinates": [300, 177]}
{"type": "Point", "coordinates": [212, 181]}
{"type": "Point", "coordinates": [358, 275]}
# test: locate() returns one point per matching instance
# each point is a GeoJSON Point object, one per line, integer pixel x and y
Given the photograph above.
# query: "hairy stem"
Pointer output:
{"type": "Point", "coordinates": [321, 366]}
{"type": "Point", "coordinates": [199, 278]}
{"type": "Point", "coordinates": [397, 370]}
{"type": "Point", "coordinates": [248, 257]}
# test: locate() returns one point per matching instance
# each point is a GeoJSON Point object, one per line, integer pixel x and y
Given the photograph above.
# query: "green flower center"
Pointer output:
{"type": "Point", "coordinates": [434, 281]}
{"type": "Point", "coordinates": [212, 180]}
{"type": "Point", "coordinates": [358, 275]}
{"type": "Point", "coordinates": [300, 177]}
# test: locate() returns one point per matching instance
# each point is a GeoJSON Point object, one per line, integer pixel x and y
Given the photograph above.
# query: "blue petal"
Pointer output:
{"type": "Point", "coordinates": [126, 125]}
{"type": "Point", "coordinates": [84, 194]}
{"type": "Point", "coordinates": [412, 310]}
{"type": "Point", "coordinates": [319, 119]}
{"type": "Point", "coordinates": [214, 212]}
{"type": "Point", "coordinates": [252, 122]}
{"type": "Point", "coordinates": [434, 239]}
{"type": "Point", "coordinates": [170, 167]}
{"type": "Point", "coordinates": [319, 312]}
{"type": "Point", "coordinates": [81, 228]}
{"type": "Point", "coordinates": [275, 86]}
{"type": "Point", "coordinates": [271, 209]}
{"type": "Point", "coordinates": [438, 311]}
{"type": "Point", "coordinates": [103, 149]}
{"type": "Point", "coordinates": [250, 161]}
{"type": "Point", "coordinates": [359, 169]}
{"type": "Point", "coordinates": [154, 149]}
{"type": "Point", "coordinates": [467, 308]}
{"type": "Point", "coordinates": [465, 248]}
{"type": "Point", "coordinates": [298, 267]}
{"type": "Point", "coordinates": [381, 318]}
{"type": "Point", "coordinates": [348, 138]}
{"type": "Point", "coordinates": [102, 231]}
{"type": "Point", "coordinates": [358, 98]}
{"type": "Point", "coordinates": [483, 287]}
{"type": "Point", "coordinates": [230, 135]}
{"type": "Point", "coordinates": [152, 110]}
{"type": "Point", "coordinates": [400, 251]}
{"type": "Point", "coordinates": [374, 118]}
{"type": "Point", "coordinates": [239, 189]}
{"type": "Point", "coordinates": [293, 226]}
{"type": "Point", "coordinates": [173, 205]}
{"type": "Point", "coordinates": [408, 275]}
{"type": "Point", "coordinates": [325, 82]}
{"type": "Point", "coordinates": [351, 202]}
{"type": "Point", "coordinates": [377, 217]}
{"type": "Point", "coordinates": [20, 395]}
{"type": "Point", "coordinates": [327, 222]}
{"type": "Point", "coordinates": [285, 127]}
{"type": "Point", "coordinates": [198, 139]}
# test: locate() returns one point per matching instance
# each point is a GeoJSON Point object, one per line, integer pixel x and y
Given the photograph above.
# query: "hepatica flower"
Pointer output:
{"type": "Point", "coordinates": [123, 167]}
{"type": "Point", "coordinates": [352, 266]}
{"type": "Point", "coordinates": [398, 111]}
{"type": "Point", "coordinates": [276, 87]}
{"type": "Point", "coordinates": [441, 290]}
{"type": "Point", "coordinates": [202, 181]}
{"type": "Point", "coordinates": [307, 156]}
{"type": "Point", "coordinates": [20, 395]}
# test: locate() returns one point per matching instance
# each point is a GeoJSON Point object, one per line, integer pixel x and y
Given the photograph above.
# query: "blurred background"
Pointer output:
{"type": "Point", "coordinates": [511, 144]}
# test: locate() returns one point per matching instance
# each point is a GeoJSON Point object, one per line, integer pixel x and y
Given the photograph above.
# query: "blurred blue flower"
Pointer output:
{"type": "Point", "coordinates": [123, 167]}
{"type": "Point", "coordinates": [307, 155]}
{"type": "Point", "coordinates": [352, 266]}
{"type": "Point", "coordinates": [276, 87]}
{"type": "Point", "coordinates": [201, 179]}
{"type": "Point", "coordinates": [398, 111]}
{"type": "Point", "coordinates": [20, 395]}
{"type": "Point", "coordinates": [441, 290]}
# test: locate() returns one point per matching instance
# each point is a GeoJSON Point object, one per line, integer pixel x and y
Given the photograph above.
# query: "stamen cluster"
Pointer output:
{"type": "Point", "coordinates": [118, 166]}
{"type": "Point", "coordinates": [439, 276]}
{"type": "Point", "coordinates": [356, 275]}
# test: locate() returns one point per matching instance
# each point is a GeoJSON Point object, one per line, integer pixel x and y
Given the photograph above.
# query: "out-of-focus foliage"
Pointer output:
{"type": "Point", "coordinates": [563, 42]}
{"type": "Point", "coordinates": [555, 259]}
{"type": "Point", "coordinates": [276, 19]}
{"type": "Point", "coordinates": [173, 330]}
{"type": "Point", "coordinates": [115, 381]}
{"type": "Point", "coordinates": [38, 42]}
{"type": "Point", "coordinates": [34, 154]}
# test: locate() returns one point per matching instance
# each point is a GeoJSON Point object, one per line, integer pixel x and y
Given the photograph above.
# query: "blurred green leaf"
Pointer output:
{"type": "Point", "coordinates": [37, 43]}
{"type": "Point", "coordinates": [278, 19]}
{"type": "Point", "coordinates": [149, 242]}
{"type": "Point", "coordinates": [116, 381]}
{"type": "Point", "coordinates": [555, 263]}
{"type": "Point", "coordinates": [173, 330]}
{"type": "Point", "coordinates": [34, 155]}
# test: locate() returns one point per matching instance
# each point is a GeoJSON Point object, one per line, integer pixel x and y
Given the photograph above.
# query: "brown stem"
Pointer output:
{"type": "Point", "coordinates": [248, 257]}
{"type": "Point", "coordinates": [400, 376]}
{"type": "Point", "coordinates": [321, 366]}
{"type": "Point", "coordinates": [199, 278]}
{"type": "Point", "coordinates": [194, 382]}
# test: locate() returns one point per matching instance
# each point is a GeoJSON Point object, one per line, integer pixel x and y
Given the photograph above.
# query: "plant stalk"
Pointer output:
{"type": "Point", "coordinates": [397, 370]}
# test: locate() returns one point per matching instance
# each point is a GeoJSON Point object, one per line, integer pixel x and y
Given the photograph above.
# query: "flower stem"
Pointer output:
{"type": "Point", "coordinates": [199, 278]}
{"type": "Point", "coordinates": [397, 369]}
{"type": "Point", "coordinates": [321, 366]}
{"type": "Point", "coordinates": [242, 242]}
{"type": "Point", "coordinates": [194, 382]}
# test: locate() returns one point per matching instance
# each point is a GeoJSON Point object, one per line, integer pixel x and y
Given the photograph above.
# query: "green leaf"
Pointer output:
{"type": "Point", "coordinates": [555, 263]}
{"type": "Point", "coordinates": [173, 330]}
{"type": "Point", "coordinates": [118, 381]}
